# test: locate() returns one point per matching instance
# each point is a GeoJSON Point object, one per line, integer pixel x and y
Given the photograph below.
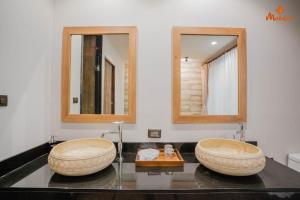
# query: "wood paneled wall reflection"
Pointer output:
{"type": "Point", "coordinates": [88, 76]}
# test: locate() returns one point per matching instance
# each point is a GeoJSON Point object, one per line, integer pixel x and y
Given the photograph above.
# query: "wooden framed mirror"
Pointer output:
{"type": "Point", "coordinates": [98, 74]}
{"type": "Point", "coordinates": [209, 75]}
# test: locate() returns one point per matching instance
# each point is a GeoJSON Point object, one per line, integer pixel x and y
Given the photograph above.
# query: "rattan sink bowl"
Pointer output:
{"type": "Point", "coordinates": [230, 157]}
{"type": "Point", "coordinates": [81, 156]}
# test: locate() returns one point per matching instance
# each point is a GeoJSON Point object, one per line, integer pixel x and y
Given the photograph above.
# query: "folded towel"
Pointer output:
{"type": "Point", "coordinates": [148, 154]}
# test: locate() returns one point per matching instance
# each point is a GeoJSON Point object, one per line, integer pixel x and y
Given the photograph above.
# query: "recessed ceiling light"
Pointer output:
{"type": "Point", "coordinates": [213, 43]}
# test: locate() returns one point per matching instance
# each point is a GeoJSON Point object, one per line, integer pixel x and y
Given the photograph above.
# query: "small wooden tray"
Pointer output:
{"type": "Point", "coordinates": [162, 161]}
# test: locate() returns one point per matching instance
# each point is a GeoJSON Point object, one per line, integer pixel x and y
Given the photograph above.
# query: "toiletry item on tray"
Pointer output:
{"type": "Point", "coordinates": [148, 154]}
{"type": "Point", "coordinates": [167, 157]}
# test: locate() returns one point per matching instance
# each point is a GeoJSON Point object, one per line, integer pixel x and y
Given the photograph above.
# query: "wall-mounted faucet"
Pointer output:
{"type": "Point", "coordinates": [120, 141]}
{"type": "Point", "coordinates": [240, 134]}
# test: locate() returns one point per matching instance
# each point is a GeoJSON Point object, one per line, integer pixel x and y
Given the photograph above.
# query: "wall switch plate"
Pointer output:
{"type": "Point", "coordinates": [3, 100]}
{"type": "Point", "coordinates": [75, 100]}
{"type": "Point", "coordinates": [154, 133]}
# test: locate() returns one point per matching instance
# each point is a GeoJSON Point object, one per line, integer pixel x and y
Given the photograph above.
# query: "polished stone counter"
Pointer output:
{"type": "Point", "coordinates": [192, 176]}
{"type": "Point", "coordinates": [125, 181]}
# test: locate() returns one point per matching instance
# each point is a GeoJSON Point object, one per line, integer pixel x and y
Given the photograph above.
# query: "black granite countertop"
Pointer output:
{"type": "Point", "coordinates": [193, 176]}
{"type": "Point", "coordinates": [276, 181]}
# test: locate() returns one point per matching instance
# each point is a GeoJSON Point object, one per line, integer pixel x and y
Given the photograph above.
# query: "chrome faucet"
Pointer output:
{"type": "Point", "coordinates": [120, 141]}
{"type": "Point", "coordinates": [240, 134]}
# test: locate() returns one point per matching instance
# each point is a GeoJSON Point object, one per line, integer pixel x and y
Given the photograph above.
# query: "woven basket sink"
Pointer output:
{"type": "Point", "coordinates": [230, 157]}
{"type": "Point", "coordinates": [81, 156]}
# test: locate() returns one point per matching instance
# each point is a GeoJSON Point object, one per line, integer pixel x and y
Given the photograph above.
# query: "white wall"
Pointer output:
{"type": "Point", "coordinates": [76, 60]}
{"type": "Point", "coordinates": [25, 58]}
{"type": "Point", "coordinates": [273, 66]}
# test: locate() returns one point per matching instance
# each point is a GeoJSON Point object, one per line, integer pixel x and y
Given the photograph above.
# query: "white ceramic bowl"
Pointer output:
{"type": "Point", "coordinates": [230, 157]}
{"type": "Point", "coordinates": [81, 156]}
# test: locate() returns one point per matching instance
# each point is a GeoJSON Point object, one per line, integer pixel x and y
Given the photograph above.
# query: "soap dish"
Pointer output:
{"type": "Point", "coordinates": [174, 160]}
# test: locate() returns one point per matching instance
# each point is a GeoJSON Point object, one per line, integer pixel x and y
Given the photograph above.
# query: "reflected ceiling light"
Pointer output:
{"type": "Point", "coordinates": [213, 43]}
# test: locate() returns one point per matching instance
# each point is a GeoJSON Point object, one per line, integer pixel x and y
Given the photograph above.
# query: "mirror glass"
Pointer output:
{"type": "Point", "coordinates": [208, 75]}
{"type": "Point", "coordinates": [99, 74]}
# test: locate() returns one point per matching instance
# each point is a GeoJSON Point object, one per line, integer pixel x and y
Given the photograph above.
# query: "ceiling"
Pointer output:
{"type": "Point", "coordinates": [199, 47]}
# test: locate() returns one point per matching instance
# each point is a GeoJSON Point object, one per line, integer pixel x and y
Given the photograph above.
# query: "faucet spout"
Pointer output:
{"type": "Point", "coordinates": [120, 141]}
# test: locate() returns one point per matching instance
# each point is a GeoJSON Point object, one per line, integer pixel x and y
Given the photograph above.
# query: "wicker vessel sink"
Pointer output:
{"type": "Point", "coordinates": [230, 157]}
{"type": "Point", "coordinates": [81, 156]}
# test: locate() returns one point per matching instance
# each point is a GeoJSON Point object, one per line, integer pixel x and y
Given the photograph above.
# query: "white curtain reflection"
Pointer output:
{"type": "Point", "coordinates": [223, 85]}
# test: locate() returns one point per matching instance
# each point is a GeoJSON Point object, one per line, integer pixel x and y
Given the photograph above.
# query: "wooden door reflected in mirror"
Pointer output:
{"type": "Point", "coordinates": [109, 88]}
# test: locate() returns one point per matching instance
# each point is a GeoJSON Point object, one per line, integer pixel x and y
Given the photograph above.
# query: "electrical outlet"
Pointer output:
{"type": "Point", "coordinates": [154, 133]}
{"type": "Point", "coordinates": [3, 100]}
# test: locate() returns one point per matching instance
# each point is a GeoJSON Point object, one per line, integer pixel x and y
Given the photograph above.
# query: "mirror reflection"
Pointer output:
{"type": "Point", "coordinates": [99, 74]}
{"type": "Point", "coordinates": [209, 75]}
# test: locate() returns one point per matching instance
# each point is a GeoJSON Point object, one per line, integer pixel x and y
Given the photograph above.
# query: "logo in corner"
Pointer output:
{"type": "Point", "coordinates": [280, 9]}
{"type": "Point", "coordinates": [279, 16]}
